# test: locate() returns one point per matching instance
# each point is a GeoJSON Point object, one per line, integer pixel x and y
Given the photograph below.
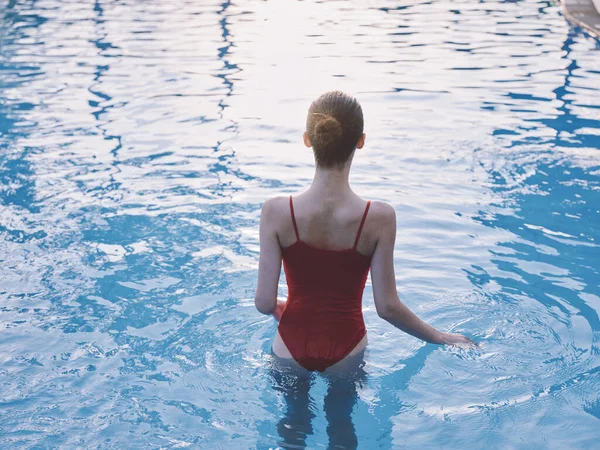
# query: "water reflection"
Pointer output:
{"type": "Point", "coordinates": [17, 187]}
{"type": "Point", "coordinates": [549, 206]}
{"type": "Point", "coordinates": [542, 277]}
{"type": "Point", "coordinates": [138, 140]}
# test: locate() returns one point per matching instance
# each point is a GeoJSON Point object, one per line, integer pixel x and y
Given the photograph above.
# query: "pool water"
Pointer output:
{"type": "Point", "coordinates": [138, 140]}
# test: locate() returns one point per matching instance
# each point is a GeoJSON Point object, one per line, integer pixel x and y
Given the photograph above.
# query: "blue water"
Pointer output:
{"type": "Point", "coordinates": [138, 140]}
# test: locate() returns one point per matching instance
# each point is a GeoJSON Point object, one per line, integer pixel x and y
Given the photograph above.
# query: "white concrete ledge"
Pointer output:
{"type": "Point", "coordinates": [583, 13]}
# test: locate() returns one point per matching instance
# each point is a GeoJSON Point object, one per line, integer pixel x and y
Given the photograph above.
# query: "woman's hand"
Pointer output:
{"type": "Point", "coordinates": [279, 309]}
{"type": "Point", "coordinates": [457, 339]}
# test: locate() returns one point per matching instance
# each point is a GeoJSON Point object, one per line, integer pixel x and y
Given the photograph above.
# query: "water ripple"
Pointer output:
{"type": "Point", "coordinates": [138, 140]}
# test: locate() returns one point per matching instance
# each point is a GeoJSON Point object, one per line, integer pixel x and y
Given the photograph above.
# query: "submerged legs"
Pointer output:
{"type": "Point", "coordinates": [295, 385]}
{"type": "Point", "coordinates": [339, 402]}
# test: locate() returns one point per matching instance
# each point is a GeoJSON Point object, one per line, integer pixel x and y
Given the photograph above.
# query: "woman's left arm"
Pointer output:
{"type": "Point", "coordinates": [269, 263]}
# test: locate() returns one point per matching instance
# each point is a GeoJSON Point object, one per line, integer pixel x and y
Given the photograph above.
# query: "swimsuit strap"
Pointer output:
{"type": "Point", "coordinates": [294, 218]}
{"type": "Point", "coordinates": [362, 222]}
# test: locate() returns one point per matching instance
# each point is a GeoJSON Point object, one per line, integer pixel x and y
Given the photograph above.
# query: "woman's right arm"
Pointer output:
{"type": "Point", "coordinates": [269, 261]}
{"type": "Point", "coordinates": [388, 305]}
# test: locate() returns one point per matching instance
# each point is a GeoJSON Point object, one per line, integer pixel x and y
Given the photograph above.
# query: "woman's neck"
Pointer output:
{"type": "Point", "coordinates": [331, 183]}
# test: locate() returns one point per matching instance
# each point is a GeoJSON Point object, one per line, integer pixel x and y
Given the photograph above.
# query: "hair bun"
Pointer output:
{"type": "Point", "coordinates": [333, 126]}
{"type": "Point", "coordinates": [327, 129]}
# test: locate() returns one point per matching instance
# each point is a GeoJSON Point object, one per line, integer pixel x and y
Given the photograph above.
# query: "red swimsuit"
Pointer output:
{"type": "Point", "coordinates": [323, 320]}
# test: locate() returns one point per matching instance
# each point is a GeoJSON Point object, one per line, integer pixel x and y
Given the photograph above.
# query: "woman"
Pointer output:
{"type": "Point", "coordinates": [328, 239]}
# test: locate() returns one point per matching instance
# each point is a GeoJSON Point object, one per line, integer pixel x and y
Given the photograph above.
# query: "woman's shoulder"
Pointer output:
{"type": "Point", "coordinates": [276, 207]}
{"type": "Point", "coordinates": [381, 213]}
{"type": "Point", "coordinates": [382, 226]}
{"type": "Point", "coordinates": [277, 202]}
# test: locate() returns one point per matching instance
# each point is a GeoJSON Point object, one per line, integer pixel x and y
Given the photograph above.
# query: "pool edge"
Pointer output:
{"type": "Point", "coordinates": [583, 13]}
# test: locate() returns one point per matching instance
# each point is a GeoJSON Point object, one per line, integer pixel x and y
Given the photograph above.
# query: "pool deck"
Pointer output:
{"type": "Point", "coordinates": [583, 13]}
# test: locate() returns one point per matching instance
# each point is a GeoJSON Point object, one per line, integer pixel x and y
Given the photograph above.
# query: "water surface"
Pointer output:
{"type": "Point", "coordinates": [138, 140]}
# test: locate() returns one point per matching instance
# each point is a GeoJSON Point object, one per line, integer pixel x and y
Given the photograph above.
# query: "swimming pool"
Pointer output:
{"type": "Point", "coordinates": [138, 141]}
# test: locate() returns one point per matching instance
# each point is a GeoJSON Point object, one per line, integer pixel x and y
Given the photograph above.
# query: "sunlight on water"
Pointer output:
{"type": "Point", "coordinates": [138, 141]}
